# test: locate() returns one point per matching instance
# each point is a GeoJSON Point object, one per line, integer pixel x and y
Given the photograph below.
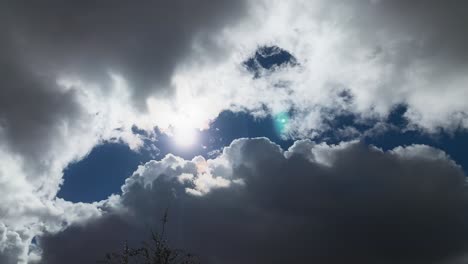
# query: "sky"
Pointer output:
{"type": "Point", "coordinates": [271, 131]}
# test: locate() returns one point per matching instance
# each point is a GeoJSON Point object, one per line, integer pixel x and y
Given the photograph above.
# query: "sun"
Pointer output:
{"type": "Point", "coordinates": [185, 137]}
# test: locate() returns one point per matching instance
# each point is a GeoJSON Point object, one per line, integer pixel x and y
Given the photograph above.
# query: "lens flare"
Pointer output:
{"type": "Point", "coordinates": [281, 121]}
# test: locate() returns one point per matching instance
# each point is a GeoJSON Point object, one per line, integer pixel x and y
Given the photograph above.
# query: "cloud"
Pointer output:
{"type": "Point", "coordinates": [77, 74]}
{"type": "Point", "coordinates": [379, 54]}
{"type": "Point", "coordinates": [73, 76]}
{"type": "Point", "coordinates": [312, 203]}
{"type": "Point", "coordinates": [11, 245]}
{"type": "Point", "coordinates": [64, 65]}
{"type": "Point", "coordinates": [143, 42]}
{"type": "Point", "coordinates": [40, 123]}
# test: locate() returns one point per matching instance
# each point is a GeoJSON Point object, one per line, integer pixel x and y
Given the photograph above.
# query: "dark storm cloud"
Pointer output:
{"type": "Point", "coordinates": [349, 203]}
{"type": "Point", "coordinates": [141, 41]}
{"type": "Point", "coordinates": [33, 109]}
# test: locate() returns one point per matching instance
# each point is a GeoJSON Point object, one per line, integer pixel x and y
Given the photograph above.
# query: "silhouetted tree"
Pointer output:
{"type": "Point", "coordinates": [154, 251]}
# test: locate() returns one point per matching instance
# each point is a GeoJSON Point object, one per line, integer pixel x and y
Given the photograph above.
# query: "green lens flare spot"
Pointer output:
{"type": "Point", "coordinates": [281, 121]}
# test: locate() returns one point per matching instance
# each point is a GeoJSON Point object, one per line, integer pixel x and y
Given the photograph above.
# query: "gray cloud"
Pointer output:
{"type": "Point", "coordinates": [314, 203]}
{"type": "Point", "coordinates": [143, 42]}
{"type": "Point", "coordinates": [436, 25]}
{"type": "Point", "coordinates": [33, 110]}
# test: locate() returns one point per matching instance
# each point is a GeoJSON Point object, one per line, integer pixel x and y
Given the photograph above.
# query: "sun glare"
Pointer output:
{"type": "Point", "coordinates": [185, 137]}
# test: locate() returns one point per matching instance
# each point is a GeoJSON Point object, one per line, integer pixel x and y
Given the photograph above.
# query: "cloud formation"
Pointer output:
{"type": "Point", "coordinates": [312, 203]}
{"type": "Point", "coordinates": [379, 54]}
{"type": "Point", "coordinates": [77, 74]}
{"type": "Point", "coordinates": [143, 42]}
{"type": "Point", "coordinates": [61, 92]}
{"type": "Point", "coordinates": [173, 57]}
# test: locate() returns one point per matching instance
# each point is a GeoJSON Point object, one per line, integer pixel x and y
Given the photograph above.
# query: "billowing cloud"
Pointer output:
{"type": "Point", "coordinates": [11, 245]}
{"type": "Point", "coordinates": [77, 74]}
{"type": "Point", "coordinates": [312, 203]}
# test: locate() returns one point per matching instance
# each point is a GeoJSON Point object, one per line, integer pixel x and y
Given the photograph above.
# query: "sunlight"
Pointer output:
{"type": "Point", "coordinates": [185, 137]}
